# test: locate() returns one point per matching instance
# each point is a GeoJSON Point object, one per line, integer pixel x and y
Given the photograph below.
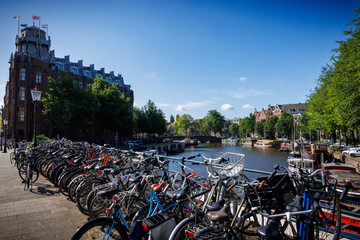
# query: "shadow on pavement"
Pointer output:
{"type": "Point", "coordinates": [44, 189]}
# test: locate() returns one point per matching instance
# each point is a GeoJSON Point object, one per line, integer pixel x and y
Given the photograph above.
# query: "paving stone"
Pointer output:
{"type": "Point", "coordinates": [42, 213]}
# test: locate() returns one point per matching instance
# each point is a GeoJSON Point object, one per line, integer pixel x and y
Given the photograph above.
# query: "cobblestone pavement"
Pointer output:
{"type": "Point", "coordinates": [43, 213]}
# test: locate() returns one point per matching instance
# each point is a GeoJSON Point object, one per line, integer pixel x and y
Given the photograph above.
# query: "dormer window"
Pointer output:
{"type": "Point", "coordinates": [74, 70]}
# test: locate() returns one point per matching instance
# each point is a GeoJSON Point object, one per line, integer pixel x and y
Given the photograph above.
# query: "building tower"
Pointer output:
{"type": "Point", "coordinates": [29, 69]}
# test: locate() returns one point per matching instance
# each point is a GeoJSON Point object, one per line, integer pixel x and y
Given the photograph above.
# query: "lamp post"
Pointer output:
{"type": "Point", "coordinates": [5, 123]}
{"type": "Point", "coordinates": [36, 95]}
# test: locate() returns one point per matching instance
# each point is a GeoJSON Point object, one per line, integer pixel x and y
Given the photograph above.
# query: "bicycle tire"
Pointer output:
{"type": "Point", "coordinates": [94, 229]}
{"type": "Point", "coordinates": [179, 232]}
{"type": "Point", "coordinates": [83, 193]}
{"type": "Point", "coordinates": [23, 172]}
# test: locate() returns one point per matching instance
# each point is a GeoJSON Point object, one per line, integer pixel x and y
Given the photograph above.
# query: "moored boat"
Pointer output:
{"type": "Point", "coordinates": [285, 147]}
{"type": "Point", "coordinates": [306, 165]}
{"type": "Point", "coordinates": [315, 151]}
{"type": "Point", "coordinates": [264, 144]}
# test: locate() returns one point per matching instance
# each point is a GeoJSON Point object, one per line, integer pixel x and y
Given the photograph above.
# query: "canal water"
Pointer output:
{"type": "Point", "coordinates": [255, 158]}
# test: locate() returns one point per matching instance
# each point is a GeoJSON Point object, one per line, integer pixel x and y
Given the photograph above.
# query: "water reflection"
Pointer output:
{"type": "Point", "coordinates": [255, 158]}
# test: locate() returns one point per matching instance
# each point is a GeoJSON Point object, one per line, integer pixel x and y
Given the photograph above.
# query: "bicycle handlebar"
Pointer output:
{"type": "Point", "coordinates": [344, 193]}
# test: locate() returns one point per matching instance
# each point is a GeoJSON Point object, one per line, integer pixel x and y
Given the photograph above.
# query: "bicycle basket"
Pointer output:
{"type": "Point", "coordinates": [275, 194]}
{"type": "Point", "coordinates": [234, 164]}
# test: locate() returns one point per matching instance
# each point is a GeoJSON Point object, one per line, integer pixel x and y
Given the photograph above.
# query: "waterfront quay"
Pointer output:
{"type": "Point", "coordinates": [42, 213]}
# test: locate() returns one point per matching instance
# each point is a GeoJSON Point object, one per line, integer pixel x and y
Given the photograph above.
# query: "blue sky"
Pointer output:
{"type": "Point", "coordinates": [193, 56]}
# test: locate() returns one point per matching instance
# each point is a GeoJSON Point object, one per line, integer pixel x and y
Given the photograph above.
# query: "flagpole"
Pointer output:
{"type": "Point", "coordinates": [19, 26]}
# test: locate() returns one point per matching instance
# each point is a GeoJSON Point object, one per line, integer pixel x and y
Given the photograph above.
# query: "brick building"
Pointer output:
{"type": "Point", "coordinates": [295, 109]}
{"type": "Point", "coordinates": [30, 66]}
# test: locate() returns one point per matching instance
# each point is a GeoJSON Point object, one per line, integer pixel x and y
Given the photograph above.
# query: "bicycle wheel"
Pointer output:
{"type": "Point", "coordinates": [179, 232]}
{"type": "Point", "coordinates": [247, 223]}
{"type": "Point", "coordinates": [84, 192]}
{"type": "Point", "coordinates": [100, 228]}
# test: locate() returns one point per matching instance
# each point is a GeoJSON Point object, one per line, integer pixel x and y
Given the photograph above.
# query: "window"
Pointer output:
{"type": "Point", "coordinates": [21, 115]}
{"type": "Point", "coordinates": [22, 93]}
{"type": "Point", "coordinates": [38, 77]}
{"type": "Point", "coordinates": [22, 74]}
{"type": "Point", "coordinates": [60, 67]}
{"type": "Point", "coordinates": [300, 109]}
{"type": "Point", "coordinates": [74, 70]}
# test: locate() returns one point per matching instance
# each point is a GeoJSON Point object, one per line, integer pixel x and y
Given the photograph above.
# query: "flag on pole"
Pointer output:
{"type": "Point", "coordinates": [17, 17]}
{"type": "Point", "coordinates": [23, 25]}
{"type": "Point", "coordinates": [36, 17]}
{"type": "Point", "coordinates": [44, 25]}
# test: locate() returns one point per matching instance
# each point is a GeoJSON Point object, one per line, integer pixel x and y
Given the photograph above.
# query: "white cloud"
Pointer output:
{"type": "Point", "coordinates": [180, 108]}
{"type": "Point", "coordinates": [243, 93]}
{"type": "Point", "coordinates": [247, 106]}
{"type": "Point", "coordinates": [136, 104]}
{"type": "Point", "coordinates": [242, 79]}
{"type": "Point", "coordinates": [192, 105]}
{"type": "Point", "coordinates": [163, 104]}
{"type": "Point", "coordinates": [227, 107]}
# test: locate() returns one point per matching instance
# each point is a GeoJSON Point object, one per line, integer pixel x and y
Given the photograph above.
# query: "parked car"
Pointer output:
{"type": "Point", "coordinates": [353, 152]}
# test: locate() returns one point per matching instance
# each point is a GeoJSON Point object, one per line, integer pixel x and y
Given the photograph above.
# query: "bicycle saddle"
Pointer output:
{"type": "Point", "coordinates": [270, 231]}
{"type": "Point", "coordinates": [158, 187]}
{"type": "Point", "coordinates": [219, 216]}
{"type": "Point", "coordinates": [215, 206]}
{"type": "Point", "coordinates": [178, 194]}
{"type": "Point", "coordinates": [296, 205]}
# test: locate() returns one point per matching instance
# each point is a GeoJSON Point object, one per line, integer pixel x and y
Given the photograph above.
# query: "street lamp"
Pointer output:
{"type": "Point", "coordinates": [5, 123]}
{"type": "Point", "coordinates": [36, 95]}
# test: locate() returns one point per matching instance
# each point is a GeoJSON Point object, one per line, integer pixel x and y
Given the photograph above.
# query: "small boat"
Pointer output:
{"type": "Point", "coordinates": [264, 144]}
{"type": "Point", "coordinates": [285, 147]}
{"type": "Point", "coordinates": [248, 142]}
{"type": "Point", "coordinates": [341, 172]}
{"type": "Point", "coordinates": [315, 151]}
{"type": "Point", "coordinates": [190, 142]}
{"type": "Point", "coordinates": [350, 216]}
{"type": "Point", "coordinates": [229, 141]}
{"type": "Point", "coordinates": [306, 165]}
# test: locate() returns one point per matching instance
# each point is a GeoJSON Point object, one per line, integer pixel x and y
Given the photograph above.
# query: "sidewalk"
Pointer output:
{"type": "Point", "coordinates": [43, 213]}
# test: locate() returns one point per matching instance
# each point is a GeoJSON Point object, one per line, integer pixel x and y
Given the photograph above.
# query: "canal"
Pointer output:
{"type": "Point", "coordinates": [255, 158]}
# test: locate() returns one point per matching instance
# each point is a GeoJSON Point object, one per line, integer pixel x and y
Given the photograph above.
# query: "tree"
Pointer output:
{"type": "Point", "coordinates": [284, 126]}
{"type": "Point", "coordinates": [244, 126]}
{"type": "Point", "coordinates": [183, 123]}
{"type": "Point", "coordinates": [269, 127]}
{"type": "Point", "coordinates": [172, 120]}
{"type": "Point", "coordinates": [64, 101]}
{"type": "Point", "coordinates": [212, 122]}
{"type": "Point", "coordinates": [234, 129]}
{"type": "Point", "coordinates": [250, 124]}
{"type": "Point", "coordinates": [151, 120]}
{"type": "Point", "coordinates": [259, 128]}
{"type": "Point", "coordinates": [114, 112]}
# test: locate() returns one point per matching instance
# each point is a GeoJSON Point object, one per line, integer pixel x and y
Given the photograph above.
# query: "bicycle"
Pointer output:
{"type": "Point", "coordinates": [316, 211]}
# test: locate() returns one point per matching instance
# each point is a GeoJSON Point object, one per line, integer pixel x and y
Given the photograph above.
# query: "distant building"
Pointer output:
{"type": "Point", "coordinates": [296, 109]}
{"type": "Point", "coordinates": [30, 66]}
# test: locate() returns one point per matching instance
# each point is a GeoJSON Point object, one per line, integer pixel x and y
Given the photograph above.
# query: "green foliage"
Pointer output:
{"type": "Point", "coordinates": [183, 124]}
{"type": "Point", "coordinates": [212, 122]}
{"type": "Point", "coordinates": [269, 127]}
{"type": "Point", "coordinates": [172, 120]}
{"type": "Point", "coordinates": [334, 103]}
{"type": "Point", "coordinates": [114, 111]}
{"type": "Point", "coordinates": [259, 128]}
{"type": "Point", "coordinates": [284, 126]}
{"type": "Point", "coordinates": [234, 129]}
{"type": "Point", "coordinates": [40, 139]}
{"type": "Point", "coordinates": [150, 120]}
{"type": "Point", "coordinates": [77, 111]}
{"type": "Point", "coordinates": [64, 101]}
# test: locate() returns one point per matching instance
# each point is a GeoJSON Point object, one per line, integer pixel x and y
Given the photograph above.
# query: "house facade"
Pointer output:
{"type": "Point", "coordinates": [296, 110]}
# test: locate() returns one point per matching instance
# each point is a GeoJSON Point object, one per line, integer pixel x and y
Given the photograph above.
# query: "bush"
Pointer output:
{"type": "Point", "coordinates": [40, 139]}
